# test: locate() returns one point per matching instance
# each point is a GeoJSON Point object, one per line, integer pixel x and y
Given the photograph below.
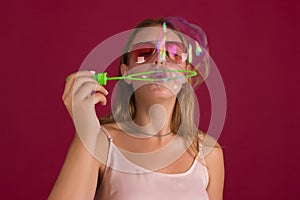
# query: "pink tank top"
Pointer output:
{"type": "Point", "coordinates": [137, 183]}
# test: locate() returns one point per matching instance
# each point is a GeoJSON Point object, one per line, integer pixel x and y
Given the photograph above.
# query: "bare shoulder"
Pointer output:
{"type": "Point", "coordinates": [210, 145]}
{"type": "Point", "coordinates": [212, 151]}
{"type": "Point", "coordinates": [215, 164]}
{"type": "Point", "coordinates": [214, 156]}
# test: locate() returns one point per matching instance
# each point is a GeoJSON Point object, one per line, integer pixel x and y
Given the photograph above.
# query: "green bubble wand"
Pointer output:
{"type": "Point", "coordinates": [149, 76]}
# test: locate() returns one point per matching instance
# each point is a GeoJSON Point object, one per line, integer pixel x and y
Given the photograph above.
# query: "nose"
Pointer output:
{"type": "Point", "coordinates": [160, 58]}
{"type": "Point", "coordinates": [157, 62]}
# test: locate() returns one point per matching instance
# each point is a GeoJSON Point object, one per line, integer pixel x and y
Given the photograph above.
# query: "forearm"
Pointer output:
{"type": "Point", "coordinates": [78, 176]}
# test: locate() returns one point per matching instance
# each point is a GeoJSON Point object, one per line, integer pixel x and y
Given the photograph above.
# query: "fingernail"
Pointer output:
{"type": "Point", "coordinates": [93, 72]}
{"type": "Point", "coordinates": [106, 92]}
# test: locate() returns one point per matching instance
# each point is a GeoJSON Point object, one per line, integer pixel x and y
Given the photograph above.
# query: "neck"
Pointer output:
{"type": "Point", "coordinates": [156, 116]}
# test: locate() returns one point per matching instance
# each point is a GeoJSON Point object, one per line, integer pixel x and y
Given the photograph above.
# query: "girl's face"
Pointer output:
{"type": "Point", "coordinates": [154, 49]}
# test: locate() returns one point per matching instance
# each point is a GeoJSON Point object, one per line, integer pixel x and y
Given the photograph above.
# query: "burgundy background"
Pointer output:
{"type": "Point", "coordinates": [254, 44]}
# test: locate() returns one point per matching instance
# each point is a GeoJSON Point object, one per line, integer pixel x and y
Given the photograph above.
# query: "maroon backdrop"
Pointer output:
{"type": "Point", "coordinates": [254, 44]}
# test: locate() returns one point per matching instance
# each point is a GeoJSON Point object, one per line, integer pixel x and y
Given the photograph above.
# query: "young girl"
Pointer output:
{"type": "Point", "coordinates": [149, 147]}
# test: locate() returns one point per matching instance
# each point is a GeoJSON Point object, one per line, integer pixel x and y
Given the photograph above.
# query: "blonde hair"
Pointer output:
{"type": "Point", "coordinates": [183, 112]}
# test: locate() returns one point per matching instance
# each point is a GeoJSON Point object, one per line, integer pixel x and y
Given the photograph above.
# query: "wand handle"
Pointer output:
{"type": "Point", "coordinates": [101, 78]}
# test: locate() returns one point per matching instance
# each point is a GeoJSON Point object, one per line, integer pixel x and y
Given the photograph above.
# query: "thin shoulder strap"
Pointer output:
{"type": "Point", "coordinates": [200, 149]}
{"type": "Point", "coordinates": [105, 131]}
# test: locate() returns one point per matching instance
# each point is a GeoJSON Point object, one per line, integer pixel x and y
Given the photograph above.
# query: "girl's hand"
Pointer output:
{"type": "Point", "coordinates": [81, 94]}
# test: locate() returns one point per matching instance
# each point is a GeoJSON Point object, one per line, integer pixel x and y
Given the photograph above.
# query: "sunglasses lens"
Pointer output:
{"type": "Point", "coordinates": [176, 52]}
{"type": "Point", "coordinates": [141, 52]}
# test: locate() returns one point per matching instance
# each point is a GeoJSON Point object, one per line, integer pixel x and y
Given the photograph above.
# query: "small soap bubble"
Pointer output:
{"type": "Point", "coordinates": [190, 53]}
{"type": "Point", "coordinates": [162, 49]}
{"type": "Point", "coordinates": [164, 25]}
{"type": "Point", "coordinates": [198, 49]}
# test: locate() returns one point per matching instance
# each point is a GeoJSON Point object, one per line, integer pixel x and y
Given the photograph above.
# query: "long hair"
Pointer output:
{"type": "Point", "coordinates": [183, 121]}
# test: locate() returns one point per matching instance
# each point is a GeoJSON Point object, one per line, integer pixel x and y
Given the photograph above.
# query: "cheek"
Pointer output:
{"type": "Point", "coordinates": [184, 66]}
{"type": "Point", "coordinates": [132, 64]}
{"type": "Point", "coordinates": [176, 66]}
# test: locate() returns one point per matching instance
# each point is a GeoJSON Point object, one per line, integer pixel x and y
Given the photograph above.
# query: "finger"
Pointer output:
{"type": "Point", "coordinates": [79, 73]}
{"type": "Point", "coordinates": [71, 78]}
{"type": "Point", "coordinates": [77, 85]}
{"type": "Point", "coordinates": [86, 90]}
{"type": "Point", "coordinates": [101, 89]}
{"type": "Point", "coordinates": [96, 98]}
{"type": "Point", "coordinates": [80, 81]}
{"type": "Point", "coordinates": [93, 89]}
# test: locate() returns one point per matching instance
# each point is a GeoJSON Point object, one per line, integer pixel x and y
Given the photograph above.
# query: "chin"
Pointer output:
{"type": "Point", "coordinates": [156, 92]}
